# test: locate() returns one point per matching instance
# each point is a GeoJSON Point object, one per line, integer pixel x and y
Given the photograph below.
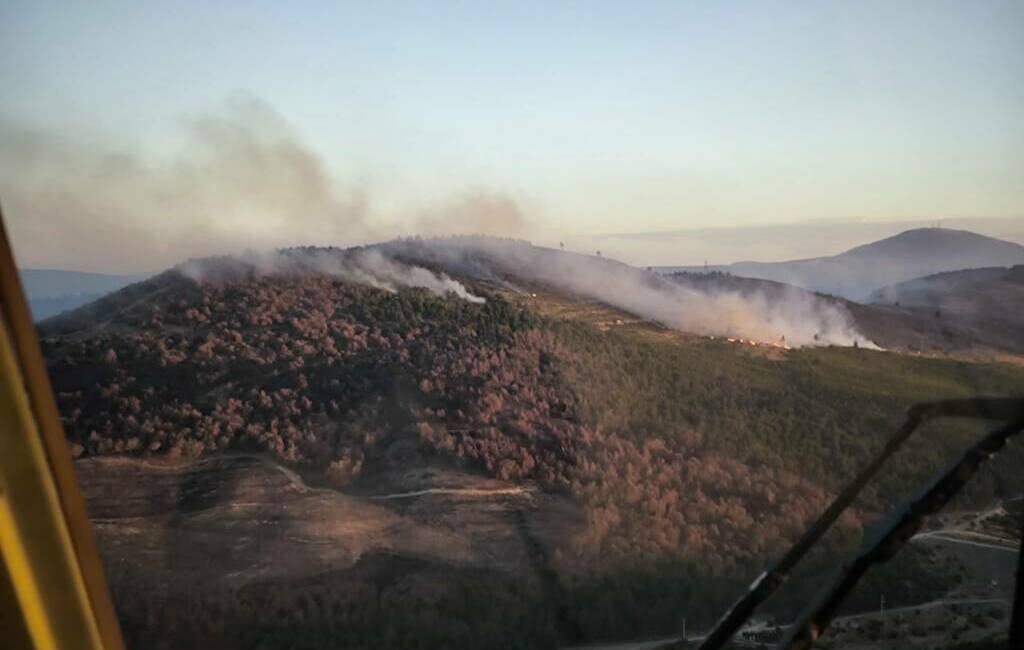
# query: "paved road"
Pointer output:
{"type": "Point", "coordinates": [959, 538]}
{"type": "Point", "coordinates": [962, 534]}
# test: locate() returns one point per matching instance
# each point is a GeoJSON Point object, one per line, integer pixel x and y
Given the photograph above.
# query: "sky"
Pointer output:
{"type": "Point", "coordinates": [134, 135]}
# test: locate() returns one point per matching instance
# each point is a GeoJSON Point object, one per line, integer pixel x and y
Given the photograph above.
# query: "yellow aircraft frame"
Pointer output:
{"type": "Point", "coordinates": [53, 594]}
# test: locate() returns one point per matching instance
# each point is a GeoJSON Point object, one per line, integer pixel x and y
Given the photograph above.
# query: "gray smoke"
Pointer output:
{"type": "Point", "coordinates": [475, 212]}
{"type": "Point", "coordinates": [243, 179]}
{"type": "Point", "coordinates": [240, 178]}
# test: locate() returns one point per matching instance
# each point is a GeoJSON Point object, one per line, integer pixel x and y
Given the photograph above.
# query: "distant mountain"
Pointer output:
{"type": "Point", "coordinates": [860, 271]}
{"type": "Point", "coordinates": [52, 291]}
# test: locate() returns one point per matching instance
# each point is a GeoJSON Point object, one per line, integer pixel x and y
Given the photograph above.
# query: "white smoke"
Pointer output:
{"type": "Point", "coordinates": [802, 318]}
{"type": "Point", "coordinates": [366, 266]}
{"type": "Point", "coordinates": [370, 266]}
{"type": "Point", "coordinates": [798, 317]}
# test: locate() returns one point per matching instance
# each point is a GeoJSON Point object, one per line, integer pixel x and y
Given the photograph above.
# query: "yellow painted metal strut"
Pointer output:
{"type": "Point", "coordinates": [48, 553]}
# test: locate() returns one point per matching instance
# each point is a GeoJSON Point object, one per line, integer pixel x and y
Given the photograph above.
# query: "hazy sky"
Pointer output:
{"type": "Point", "coordinates": [134, 134]}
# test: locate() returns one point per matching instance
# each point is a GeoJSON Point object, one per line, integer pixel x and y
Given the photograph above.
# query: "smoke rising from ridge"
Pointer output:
{"type": "Point", "coordinates": [371, 266]}
{"type": "Point", "coordinates": [801, 317]}
{"type": "Point", "coordinates": [366, 266]}
{"type": "Point", "coordinates": [243, 179]}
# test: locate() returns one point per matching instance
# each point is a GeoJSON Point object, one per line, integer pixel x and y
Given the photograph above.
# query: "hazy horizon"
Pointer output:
{"type": "Point", "coordinates": [133, 137]}
{"type": "Point", "coordinates": [716, 246]}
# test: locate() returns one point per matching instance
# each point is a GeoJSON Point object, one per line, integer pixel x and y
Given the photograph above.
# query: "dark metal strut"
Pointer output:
{"type": "Point", "coordinates": [1005, 409]}
{"type": "Point", "coordinates": [901, 527]}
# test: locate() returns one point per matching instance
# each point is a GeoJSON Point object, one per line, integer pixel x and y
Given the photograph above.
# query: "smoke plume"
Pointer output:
{"type": "Point", "coordinates": [241, 178]}
{"type": "Point", "coordinates": [800, 317]}
{"type": "Point", "coordinates": [367, 266]}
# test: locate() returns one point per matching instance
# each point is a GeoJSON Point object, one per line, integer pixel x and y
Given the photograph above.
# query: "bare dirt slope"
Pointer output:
{"type": "Point", "coordinates": [237, 518]}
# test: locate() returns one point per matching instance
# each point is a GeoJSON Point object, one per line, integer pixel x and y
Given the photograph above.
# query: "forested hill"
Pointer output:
{"type": "Point", "coordinates": [173, 342]}
{"type": "Point", "coordinates": [691, 458]}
